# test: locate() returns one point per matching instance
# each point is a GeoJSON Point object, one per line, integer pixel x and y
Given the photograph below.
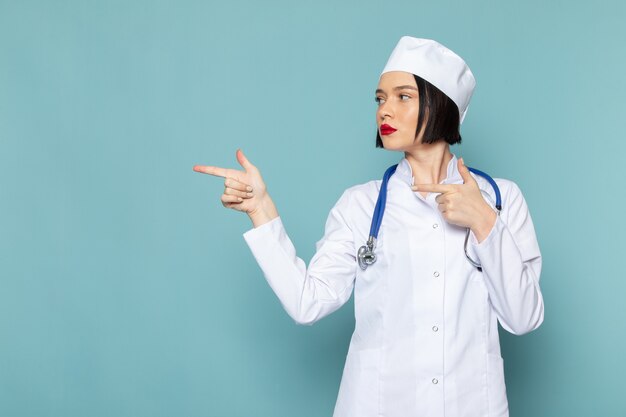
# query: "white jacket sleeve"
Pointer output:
{"type": "Point", "coordinates": [310, 294]}
{"type": "Point", "coordinates": [511, 263]}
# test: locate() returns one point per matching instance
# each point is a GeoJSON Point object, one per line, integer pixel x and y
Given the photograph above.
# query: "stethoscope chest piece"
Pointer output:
{"type": "Point", "coordinates": [366, 254]}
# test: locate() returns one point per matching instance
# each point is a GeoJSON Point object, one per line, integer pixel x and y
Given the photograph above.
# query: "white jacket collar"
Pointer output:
{"type": "Point", "coordinates": [405, 173]}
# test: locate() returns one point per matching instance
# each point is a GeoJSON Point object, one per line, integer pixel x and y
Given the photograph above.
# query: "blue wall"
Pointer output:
{"type": "Point", "coordinates": [126, 289]}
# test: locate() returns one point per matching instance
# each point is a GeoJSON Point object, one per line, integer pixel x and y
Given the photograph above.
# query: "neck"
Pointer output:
{"type": "Point", "coordinates": [429, 163]}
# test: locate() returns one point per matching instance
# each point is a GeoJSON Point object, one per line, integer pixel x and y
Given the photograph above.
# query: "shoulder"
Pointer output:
{"type": "Point", "coordinates": [357, 202]}
{"type": "Point", "coordinates": [507, 187]}
{"type": "Point", "coordinates": [366, 188]}
{"type": "Point", "coordinates": [360, 194]}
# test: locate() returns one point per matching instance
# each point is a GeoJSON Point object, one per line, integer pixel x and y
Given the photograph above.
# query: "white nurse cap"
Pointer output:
{"type": "Point", "coordinates": [436, 64]}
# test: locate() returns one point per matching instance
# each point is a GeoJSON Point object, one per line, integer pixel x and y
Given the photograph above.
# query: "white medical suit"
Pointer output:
{"type": "Point", "coordinates": [425, 343]}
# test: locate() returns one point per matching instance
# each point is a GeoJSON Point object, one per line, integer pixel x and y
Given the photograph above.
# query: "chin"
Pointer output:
{"type": "Point", "coordinates": [392, 145]}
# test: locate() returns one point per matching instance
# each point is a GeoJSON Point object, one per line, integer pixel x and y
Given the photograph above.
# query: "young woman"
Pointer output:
{"type": "Point", "coordinates": [449, 264]}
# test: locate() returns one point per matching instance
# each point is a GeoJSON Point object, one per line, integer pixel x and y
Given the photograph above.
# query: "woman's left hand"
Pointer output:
{"type": "Point", "coordinates": [463, 204]}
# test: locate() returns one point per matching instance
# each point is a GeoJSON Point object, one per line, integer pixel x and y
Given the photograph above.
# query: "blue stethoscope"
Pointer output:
{"type": "Point", "coordinates": [366, 252]}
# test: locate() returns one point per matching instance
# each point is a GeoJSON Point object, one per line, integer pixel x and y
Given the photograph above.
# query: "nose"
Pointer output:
{"type": "Point", "coordinates": [384, 110]}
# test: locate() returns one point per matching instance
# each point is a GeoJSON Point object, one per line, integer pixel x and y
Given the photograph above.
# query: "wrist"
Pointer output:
{"type": "Point", "coordinates": [487, 221]}
{"type": "Point", "coordinates": [264, 212]}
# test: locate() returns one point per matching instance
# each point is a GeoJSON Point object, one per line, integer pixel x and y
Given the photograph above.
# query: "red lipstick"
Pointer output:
{"type": "Point", "coordinates": [386, 129]}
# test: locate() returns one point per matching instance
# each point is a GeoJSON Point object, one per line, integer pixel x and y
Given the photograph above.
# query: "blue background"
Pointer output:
{"type": "Point", "coordinates": [126, 289]}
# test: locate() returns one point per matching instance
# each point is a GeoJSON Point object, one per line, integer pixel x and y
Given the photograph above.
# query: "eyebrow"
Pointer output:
{"type": "Point", "coordinates": [400, 87]}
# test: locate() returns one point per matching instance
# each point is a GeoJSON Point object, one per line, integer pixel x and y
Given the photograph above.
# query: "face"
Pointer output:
{"type": "Point", "coordinates": [398, 108]}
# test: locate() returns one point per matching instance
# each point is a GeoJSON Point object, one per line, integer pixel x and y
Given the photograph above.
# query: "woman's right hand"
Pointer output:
{"type": "Point", "coordinates": [244, 190]}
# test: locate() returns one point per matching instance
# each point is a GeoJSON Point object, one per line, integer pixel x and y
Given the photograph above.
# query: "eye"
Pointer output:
{"type": "Point", "coordinates": [405, 95]}
{"type": "Point", "coordinates": [379, 100]}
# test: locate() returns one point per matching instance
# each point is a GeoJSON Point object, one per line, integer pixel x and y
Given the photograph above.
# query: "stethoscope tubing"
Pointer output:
{"type": "Point", "coordinates": [366, 254]}
{"type": "Point", "coordinates": [381, 202]}
{"type": "Point", "coordinates": [491, 181]}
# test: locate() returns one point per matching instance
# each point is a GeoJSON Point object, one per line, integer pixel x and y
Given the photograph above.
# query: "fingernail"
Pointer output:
{"type": "Point", "coordinates": [250, 194]}
{"type": "Point", "coordinates": [249, 188]}
{"type": "Point", "coordinates": [239, 199]}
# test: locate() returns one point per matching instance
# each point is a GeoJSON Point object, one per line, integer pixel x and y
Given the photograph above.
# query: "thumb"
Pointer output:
{"type": "Point", "coordinates": [465, 172]}
{"type": "Point", "coordinates": [243, 161]}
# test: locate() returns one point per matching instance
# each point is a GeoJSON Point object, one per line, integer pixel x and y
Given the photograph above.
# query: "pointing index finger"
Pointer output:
{"type": "Point", "coordinates": [433, 188]}
{"type": "Point", "coordinates": [211, 170]}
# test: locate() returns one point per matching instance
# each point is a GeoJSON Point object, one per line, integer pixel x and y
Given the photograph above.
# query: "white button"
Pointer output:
{"type": "Point", "coordinates": [435, 381]}
{"type": "Point", "coordinates": [435, 225]}
{"type": "Point", "coordinates": [435, 328]}
{"type": "Point", "coordinates": [436, 274]}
